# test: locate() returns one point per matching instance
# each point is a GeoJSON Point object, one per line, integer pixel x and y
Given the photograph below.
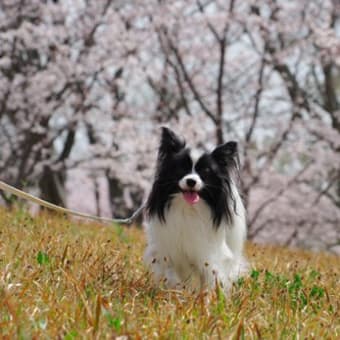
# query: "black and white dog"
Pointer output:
{"type": "Point", "coordinates": [195, 225]}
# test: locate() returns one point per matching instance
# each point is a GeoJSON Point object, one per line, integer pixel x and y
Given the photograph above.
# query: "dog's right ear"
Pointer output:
{"type": "Point", "coordinates": [170, 142]}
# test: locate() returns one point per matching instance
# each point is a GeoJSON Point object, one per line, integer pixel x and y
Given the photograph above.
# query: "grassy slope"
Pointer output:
{"type": "Point", "coordinates": [67, 279]}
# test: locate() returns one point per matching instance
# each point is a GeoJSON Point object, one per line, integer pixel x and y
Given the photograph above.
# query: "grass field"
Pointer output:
{"type": "Point", "coordinates": [70, 280]}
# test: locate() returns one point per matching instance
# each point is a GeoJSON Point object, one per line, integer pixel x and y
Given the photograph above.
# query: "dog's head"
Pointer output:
{"type": "Point", "coordinates": [207, 178]}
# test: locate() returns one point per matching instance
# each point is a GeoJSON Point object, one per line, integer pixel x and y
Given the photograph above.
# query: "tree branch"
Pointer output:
{"type": "Point", "coordinates": [189, 81]}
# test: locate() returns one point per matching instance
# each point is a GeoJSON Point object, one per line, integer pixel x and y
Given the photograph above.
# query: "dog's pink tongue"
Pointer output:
{"type": "Point", "coordinates": [191, 197]}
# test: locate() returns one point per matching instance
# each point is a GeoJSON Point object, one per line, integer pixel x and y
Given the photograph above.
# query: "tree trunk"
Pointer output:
{"type": "Point", "coordinates": [52, 187]}
{"type": "Point", "coordinates": [219, 132]}
{"type": "Point", "coordinates": [124, 199]}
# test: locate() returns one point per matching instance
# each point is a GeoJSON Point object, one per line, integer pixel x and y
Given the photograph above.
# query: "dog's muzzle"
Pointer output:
{"type": "Point", "coordinates": [191, 182]}
{"type": "Point", "coordinates": [190, 185]}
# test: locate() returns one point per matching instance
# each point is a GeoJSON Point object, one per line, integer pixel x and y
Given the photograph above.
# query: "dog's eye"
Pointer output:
{"type": "Point", "coordinates": [205, 171]}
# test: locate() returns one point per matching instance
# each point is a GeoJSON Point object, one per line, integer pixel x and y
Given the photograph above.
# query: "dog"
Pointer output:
{"type": "Point", "coordinates": [195, 219]}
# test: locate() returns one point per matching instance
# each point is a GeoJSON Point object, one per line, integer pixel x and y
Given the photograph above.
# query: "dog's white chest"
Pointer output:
{"type": "Point", "coordinates": [188, 247]}
{"type": "Point", "coordinates": [188, 241]}
{"type": "Point", "coordinates": [188, 232]}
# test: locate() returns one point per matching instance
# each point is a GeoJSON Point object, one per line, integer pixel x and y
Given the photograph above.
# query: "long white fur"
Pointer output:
{"type": "Point", "coordinates": [188, 251]}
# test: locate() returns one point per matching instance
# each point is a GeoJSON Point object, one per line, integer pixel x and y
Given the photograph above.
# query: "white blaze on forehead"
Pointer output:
{"type": "Point", "coordinates": [194, 155]}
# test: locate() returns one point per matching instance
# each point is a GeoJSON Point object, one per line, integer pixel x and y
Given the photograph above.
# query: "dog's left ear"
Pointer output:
{"type": "Point", "coordinates": [225, 153]}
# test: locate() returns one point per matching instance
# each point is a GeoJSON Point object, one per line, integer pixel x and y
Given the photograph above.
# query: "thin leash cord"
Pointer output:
{"type": "Point", "coordinates": [8, 188]}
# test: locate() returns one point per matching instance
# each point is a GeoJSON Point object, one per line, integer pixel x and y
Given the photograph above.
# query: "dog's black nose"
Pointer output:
{"type": "Point", "coordinates": [191, 182]}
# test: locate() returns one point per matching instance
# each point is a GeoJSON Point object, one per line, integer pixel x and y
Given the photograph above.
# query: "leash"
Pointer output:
{"type": "Point", "coordinates": [28, 197]}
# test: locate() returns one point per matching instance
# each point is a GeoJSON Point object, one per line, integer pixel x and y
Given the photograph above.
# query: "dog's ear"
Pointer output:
{"type": "Point", "coordinates": [170, 142]}
{"type": "Point", "coordinates": [226, 154]}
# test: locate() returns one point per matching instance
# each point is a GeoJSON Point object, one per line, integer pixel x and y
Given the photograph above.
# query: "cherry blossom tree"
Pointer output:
{"type": "Point", "coordinates": [265, 73]}
{"type": "Point", "coordinates": [65, 67]}
{"type": "Point", "coordinates": [85, 85]}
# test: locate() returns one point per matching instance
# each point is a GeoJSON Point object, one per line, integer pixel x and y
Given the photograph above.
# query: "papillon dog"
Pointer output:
{"type": "Point", "coordinates": [195, 219]}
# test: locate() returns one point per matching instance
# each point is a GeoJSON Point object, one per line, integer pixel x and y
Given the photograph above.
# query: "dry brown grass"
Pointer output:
{"type": "Point", "coordinates": [70, 280]}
